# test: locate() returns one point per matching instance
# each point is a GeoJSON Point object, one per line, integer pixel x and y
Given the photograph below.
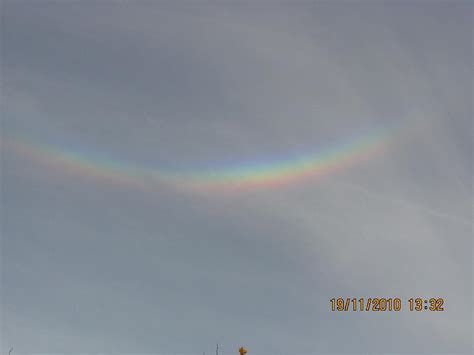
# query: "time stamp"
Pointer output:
{"type": "Point", "coordinates": [386, 304]}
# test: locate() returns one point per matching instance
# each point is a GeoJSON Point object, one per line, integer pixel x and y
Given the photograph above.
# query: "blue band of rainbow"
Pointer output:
{"type": "Point", "coordinates": [240, 176]}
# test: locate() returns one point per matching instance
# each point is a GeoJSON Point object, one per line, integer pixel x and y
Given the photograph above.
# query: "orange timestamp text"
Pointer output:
{"type": "Point", "coordinates": [376, 304]}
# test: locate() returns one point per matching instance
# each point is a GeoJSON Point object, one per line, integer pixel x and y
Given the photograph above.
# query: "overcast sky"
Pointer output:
{"type": "Point", "coordinates": [98, 264]}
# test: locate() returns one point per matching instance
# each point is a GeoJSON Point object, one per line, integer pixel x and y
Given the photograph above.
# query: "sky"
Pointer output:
{"type": "Point", "coordinates": [177, 174]}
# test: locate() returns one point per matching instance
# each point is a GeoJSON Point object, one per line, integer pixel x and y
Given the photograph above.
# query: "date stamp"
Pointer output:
{"type": "Point", "coordinates": [386, 304]}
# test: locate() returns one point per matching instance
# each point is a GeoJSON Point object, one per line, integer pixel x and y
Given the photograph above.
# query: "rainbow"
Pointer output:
{"type": "Point", "coordinates": [309, 165]}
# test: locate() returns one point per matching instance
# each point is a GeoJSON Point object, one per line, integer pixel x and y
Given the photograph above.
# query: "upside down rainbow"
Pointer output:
{"type": "Point", "coordinates": [241, 176]}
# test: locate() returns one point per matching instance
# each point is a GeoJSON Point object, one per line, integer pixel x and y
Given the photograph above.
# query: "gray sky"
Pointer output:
{"type": "Point", "coordinates": [93, 263]}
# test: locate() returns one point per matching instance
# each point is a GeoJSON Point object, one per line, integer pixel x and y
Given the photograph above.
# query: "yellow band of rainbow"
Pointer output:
{"type": "Point", "coordinates": [318, 163]}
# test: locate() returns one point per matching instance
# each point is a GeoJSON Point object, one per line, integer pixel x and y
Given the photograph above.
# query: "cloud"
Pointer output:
{"type": "Point", "coordinates": [96, 267]}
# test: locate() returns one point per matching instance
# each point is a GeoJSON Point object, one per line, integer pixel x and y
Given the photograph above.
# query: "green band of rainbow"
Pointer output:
{"type": "Point", "coordinates": [241, 176]}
